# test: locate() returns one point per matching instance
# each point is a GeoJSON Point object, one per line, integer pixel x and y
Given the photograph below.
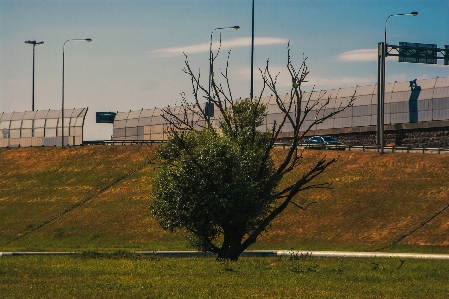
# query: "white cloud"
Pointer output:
{"type": "Point", "coordinates": [341, 81]}
{"type": "Point", "coordinates": [284, 79]}
{"type": "Point", "coordinates": [358, 55]}
{"type": "Point", "coordinates": [361, 55]}
{"type": "Point", "coordinates": [226, 44]}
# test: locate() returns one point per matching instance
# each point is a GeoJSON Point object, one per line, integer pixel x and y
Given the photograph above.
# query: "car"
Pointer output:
{"type": "Point", "coordinates": [326, 142]}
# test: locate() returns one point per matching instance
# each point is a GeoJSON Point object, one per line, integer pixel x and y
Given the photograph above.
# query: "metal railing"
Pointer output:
{"type": "Point", "coordinates": [362, 148]}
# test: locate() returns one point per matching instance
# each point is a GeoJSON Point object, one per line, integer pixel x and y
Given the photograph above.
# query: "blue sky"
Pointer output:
{"type": "Point", "coordinates": [135, 60]}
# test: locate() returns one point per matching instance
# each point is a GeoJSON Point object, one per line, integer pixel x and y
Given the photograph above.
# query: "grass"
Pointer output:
{"type": "Point", "coordinates": [124, 275]}
{"type": "Point", "coordinates": [375, 199]}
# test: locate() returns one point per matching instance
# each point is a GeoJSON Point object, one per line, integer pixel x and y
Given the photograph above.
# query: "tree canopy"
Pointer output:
{"type": "Point", "coordinates": [219, 183]}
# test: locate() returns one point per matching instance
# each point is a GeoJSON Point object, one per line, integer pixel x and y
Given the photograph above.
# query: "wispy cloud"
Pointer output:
{"type": "Point", "coordinates": [284, 79]}
{"type": "Point", "coordinates": [341, 81]}
{"type": "Point", "coordinates": [358, 55]}
{"type": "Point", "coordinates": [226, 44]}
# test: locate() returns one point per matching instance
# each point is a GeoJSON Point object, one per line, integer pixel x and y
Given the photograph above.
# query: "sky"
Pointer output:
{"type": "Point", "coordinates": [135, 59]}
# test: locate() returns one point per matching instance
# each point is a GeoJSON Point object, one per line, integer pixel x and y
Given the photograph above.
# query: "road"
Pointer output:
{"type": "Point", "coordinates": [264, 253]}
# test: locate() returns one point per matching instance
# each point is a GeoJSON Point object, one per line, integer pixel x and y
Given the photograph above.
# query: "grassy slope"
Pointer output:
{"type": "Point", "coordinates": [375, 200]}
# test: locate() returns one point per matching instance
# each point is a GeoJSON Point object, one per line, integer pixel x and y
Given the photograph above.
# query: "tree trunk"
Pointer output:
{"type": "Point", "coordinates": [231, 247]}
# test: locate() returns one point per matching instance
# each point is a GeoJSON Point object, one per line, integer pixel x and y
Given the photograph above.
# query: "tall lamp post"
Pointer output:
{"type": "Point", "coordinates": [381, 88]}
{"type": "Point", "coordinates": [210, 65]}
{"type": "Point", "coordinates": [62, 109]}
{"type": "Point", "coordinates": [34, 43]}
{"type": "Point", "coordinates": [252, 52]}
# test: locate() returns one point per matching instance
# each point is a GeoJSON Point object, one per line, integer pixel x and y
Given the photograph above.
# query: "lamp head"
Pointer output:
{"type": "Point", "coordinates": [33, 42]}
{"type": "Point", "coordinates": [414, 13]}
{"type": "Point", "coordinates": [236, 27]}
{"type": "Point", "coordinates": [88, 40]}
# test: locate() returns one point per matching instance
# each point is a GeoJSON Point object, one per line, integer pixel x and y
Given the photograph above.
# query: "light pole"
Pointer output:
{"type": "Point", "coordinates": [210, 65]}
{"type": "Point", "coordinates": [34, 43]}
{"type": "Point", "coordinates": [381, 89]}
{"type": "Point", "coordinates": [62, 109]}
{"type": "Point", "coordinates": [252, 53]}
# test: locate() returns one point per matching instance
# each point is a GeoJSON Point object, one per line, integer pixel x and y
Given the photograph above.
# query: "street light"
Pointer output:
{"type": "Point", "coordinates": [62, 109]}
{"type": "Point", "coordinates": [252, 52]}
{"type": "Point", "coordinates": [381, 90]}
{"type": "Point", "coordinates": [34, 43]}
{"type": "Point", "coordinates": [210, 64]}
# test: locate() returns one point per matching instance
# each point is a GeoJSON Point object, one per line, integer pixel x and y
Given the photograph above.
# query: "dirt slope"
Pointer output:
{"type": "Point", "coordinates": [91, 198]}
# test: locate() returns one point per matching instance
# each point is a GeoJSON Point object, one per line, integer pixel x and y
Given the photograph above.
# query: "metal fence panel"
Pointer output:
{"type": "Point", "coordinates": [55, 113]}
{"type": "Point", "coordinates": [119, 132]}
{"type": "Point", "coordinates": [361, 110]}
{"type": "Point", "coordinates": [327, 124]}
{"type": "Point", "coordinates": [15, 124]}
{"type": "Point", "coordinates": [14, 142]}
{"type": "Point", "coordinates": [146, 113]}
{"type": "Point", "coordinates": [121, 116]}
{"type": "Point", "coordinates": [426, 83]}
{"type": "Point", "coordinates": [132, 122]}
{"type": "Point", "coordinates": [398, 97]}
{"type": "Point", "coordinates": [5, 116]}
{"type": "Point", "coordinates": [389, 87]}
{"type": "Point", "coordinates": [54, 141]}
{"type": "Point", "coordinates": [401, 86]}
{"type": "Point", "coordinates": [387, 109]}
{"type": "Point", "coordinates": [29, 115]}
{"type": "Point", "coordinates": [17, 115]}
{"type": "Point", "coordinates": [366, 90]}
{"type": "Point", "coordinates": [120, 124]}
{"type": "Point", "coordinates": [131, 131]}
{"type": "Point", "coordinates": [442, 82]}
{"type": "Point", "coordinates": [346, 92]}
{"type": "Point", "coordinates": [399, 118]}
{"type": "Point", "coordinates": [440, 103]}
{"type": "Point", "coordinates": [348, 112]}
{"type": "Point", "coordinates": [14, 134]}
{"type": "Point", "coordinates": [344, 122]}
{"type": "Point", "coordinates": [440, 93]}
{"type": "Point", "coordinates": [425, 115]}
{"type": "Point", "coordinates": [134, 114]}
{"type": "Point", "coordinates": [39, 132]}
{"type": "Point", "coordinates": [361, 100]}
{"type": "Point", "coordinates": [424, 105]}
{"type": "Point", "coordinates": [26, 133]}
{"type": "Point", "coordinates": [41, 114]}
{"type": "Point", "coordinates": [441, 114]}
{"type": "Point", "coordinates": [399, 107]}
{"type": "Point", "coordinates": [361, 121]}
{"type": "Point", "coordinates": [425, 94]}
{"type": "Point", "coordinates": [387, 119]}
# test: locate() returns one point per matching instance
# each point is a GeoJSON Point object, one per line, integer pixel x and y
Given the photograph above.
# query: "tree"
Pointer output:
{"type": "Point", "coordinates": [219, 182]}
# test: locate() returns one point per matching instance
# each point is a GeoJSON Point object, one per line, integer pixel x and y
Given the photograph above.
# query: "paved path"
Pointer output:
{"type": "Point", "coordinates": [262, 253]}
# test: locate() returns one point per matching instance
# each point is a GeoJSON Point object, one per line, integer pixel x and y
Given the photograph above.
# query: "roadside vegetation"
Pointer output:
{"type": "Point", "coordinates": [375, 199]}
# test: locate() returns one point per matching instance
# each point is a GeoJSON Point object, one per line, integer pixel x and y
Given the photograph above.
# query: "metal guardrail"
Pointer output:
{"type": "Point", "coordinates": [371, 148]}
{"type": "Point", "coordinates": [399, 149]}
{"type": "Point", "coordinates": [123, 142]}
{"type": "Point", "coordinates": [363, 148]}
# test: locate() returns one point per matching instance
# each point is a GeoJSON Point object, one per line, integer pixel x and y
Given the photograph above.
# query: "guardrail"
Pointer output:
{"type": "Point", "coordinates": [371, 148]}
{"type": "Point", "coordinates": [363, 148]}
{"type": "Point", "coordinates": [123, 142]}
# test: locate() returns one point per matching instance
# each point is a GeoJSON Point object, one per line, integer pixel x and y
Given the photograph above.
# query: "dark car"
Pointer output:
{"type": "Point", "coordinates": [326, 142]}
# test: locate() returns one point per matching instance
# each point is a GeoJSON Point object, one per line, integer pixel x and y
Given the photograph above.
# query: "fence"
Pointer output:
{"type": "Point", "coordinates": [418, 102]}
{"type": "Point", "coordinates": [41, 128]}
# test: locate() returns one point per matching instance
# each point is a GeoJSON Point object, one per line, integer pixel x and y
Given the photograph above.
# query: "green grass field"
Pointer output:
{"type": "Point", "coordinates": [129, 276]}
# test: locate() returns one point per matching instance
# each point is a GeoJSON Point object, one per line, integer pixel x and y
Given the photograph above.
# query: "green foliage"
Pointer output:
{"type": "Point", "coordinates": [216, 185]}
